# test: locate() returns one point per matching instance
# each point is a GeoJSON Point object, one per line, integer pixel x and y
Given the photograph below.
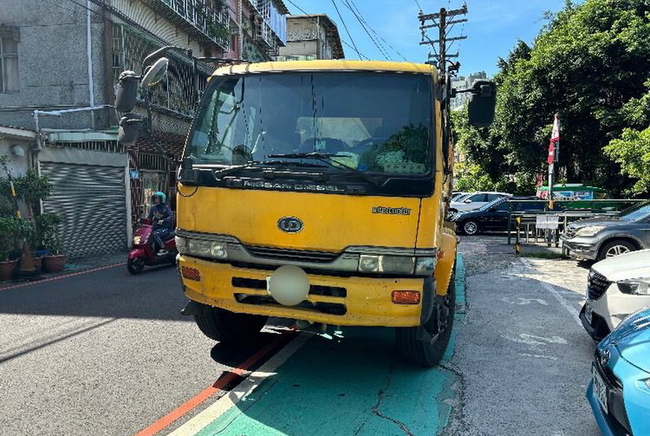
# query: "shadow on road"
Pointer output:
{"type": "Point", "coordinates": [111, 293]}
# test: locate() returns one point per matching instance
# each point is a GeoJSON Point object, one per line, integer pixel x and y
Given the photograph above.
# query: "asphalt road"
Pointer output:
{"type": "Point", "coordinates": [102, 353]}
{"type": "Point", "coordinates": [106, 353]}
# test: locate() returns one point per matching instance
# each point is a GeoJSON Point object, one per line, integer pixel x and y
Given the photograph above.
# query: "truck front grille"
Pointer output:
{"type": "Point", "coordinates": [330, 291]}
{"type": "Point", "coordinates": [597, 284]}
{"type": "Point", "coordinates": [292, 255]}
{"type": "Point", "coordinates": [264, 300]}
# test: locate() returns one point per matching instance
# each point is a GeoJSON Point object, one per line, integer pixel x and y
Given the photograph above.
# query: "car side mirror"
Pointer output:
{"type": "Point", "coordinates": [468, 201]}
{"type": "Point", "coordinates": [492, 209]}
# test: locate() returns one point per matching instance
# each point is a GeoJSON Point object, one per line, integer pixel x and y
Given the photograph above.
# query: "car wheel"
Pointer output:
{"type": "Point", "coordinates": [470, 227]}
{"type": "Point", "coordinates": [614, 248]}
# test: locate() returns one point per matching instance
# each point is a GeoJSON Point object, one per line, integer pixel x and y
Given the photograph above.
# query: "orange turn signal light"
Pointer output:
{"type": "Point", "coordinates": [191, 273]}
{"type": "Point", "coordinates": [406, 297]}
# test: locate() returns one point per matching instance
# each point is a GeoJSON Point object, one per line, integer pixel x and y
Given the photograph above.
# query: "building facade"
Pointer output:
{"type": "Point", "coordinates": [59, 65]}
{"type": "Point", "coordinates": [311, 37]}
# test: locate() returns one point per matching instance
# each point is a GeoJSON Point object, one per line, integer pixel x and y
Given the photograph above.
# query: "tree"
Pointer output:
{"type": "Point", "coordinates": [587, 64]}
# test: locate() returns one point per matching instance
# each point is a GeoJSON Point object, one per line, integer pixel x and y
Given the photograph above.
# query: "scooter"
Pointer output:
{"type": "Point", "coordinates": [143, 253]}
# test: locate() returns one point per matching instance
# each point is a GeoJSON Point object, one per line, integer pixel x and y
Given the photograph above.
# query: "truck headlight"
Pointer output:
{"type": "Point", "coordinates": [202, 248]}
{"type": "Point", "coordinates": [589, 231]}
{"type": "Point", "coordinates": [640, 286]}
{"type": "Point", "coordinates": [397, 264]}
{"type": "Point", "coordinates": [369, 264]}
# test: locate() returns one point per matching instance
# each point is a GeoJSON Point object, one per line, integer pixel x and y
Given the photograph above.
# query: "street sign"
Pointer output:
{"type": "Point", "coordinates": [551, 222]}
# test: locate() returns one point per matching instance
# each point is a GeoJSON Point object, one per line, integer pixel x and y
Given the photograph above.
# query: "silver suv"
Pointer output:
{"type": "Point", "coordinates": [600, 238]}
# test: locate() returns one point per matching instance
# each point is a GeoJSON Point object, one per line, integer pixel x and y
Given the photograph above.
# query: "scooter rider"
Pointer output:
{"type": "Point", "coordinates": [162, 219]}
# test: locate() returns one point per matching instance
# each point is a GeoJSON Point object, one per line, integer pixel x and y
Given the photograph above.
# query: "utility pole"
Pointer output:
{"type": "Point", "coordinates": [444, 25]}
{"type": "Point", "coordinates": [444, 22]}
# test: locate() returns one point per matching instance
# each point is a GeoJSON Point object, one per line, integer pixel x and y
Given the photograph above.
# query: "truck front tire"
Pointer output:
{"type": "Point", "coordinates": [426, 344]}
{"type": "Point", "coordinates": [228, 327]}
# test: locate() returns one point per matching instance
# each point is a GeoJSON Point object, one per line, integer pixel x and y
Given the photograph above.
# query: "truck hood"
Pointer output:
{"type": "Point", "coordinates": [328, 222]}
{"type": "Point", "coordinates": [625, 266]}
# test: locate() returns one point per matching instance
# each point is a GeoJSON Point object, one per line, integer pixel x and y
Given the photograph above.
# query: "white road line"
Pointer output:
{"type": "Point", "coordinates": [555, 293]}
{"type": "Point", "coordinates": [245, 388]}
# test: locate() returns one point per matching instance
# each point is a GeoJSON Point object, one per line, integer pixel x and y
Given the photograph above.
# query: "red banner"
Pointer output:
{"type": "Point", "coordinates": [554, 145]}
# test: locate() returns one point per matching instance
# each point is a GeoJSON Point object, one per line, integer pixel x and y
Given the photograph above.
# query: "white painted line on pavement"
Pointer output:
{"type": "Point", "coordinates": [555, 293]}
{"type": "Point", "coordinates": [245, 388]}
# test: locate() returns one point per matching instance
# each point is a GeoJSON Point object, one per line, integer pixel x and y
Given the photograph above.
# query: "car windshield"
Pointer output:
{"type": "Point", "coordinates": [493, 203]}
{"type": "Point", "coordinates": [636, 213]}
{"type": "Point", "coordinates": [365, 121]}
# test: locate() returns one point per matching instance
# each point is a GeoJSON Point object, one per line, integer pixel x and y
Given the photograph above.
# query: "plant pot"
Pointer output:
{"type": "Point", "coordinates": [54, 262]}
{"type": "Point", "coordinates": [38, 262]}
{"type": "Point", "coordinates": [7, 269]}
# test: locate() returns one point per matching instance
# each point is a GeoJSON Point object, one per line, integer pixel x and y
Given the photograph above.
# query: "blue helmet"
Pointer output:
{"type": "Point", "coordinates": [161, 195]}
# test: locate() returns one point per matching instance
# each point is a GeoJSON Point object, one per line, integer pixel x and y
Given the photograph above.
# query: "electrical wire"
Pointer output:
{"type": "Point", "coordinates": [378, 35]}
{"type": "Point", "coordinates": [346, 28]}
{"type": "Point", "coordinates": [365, 26]}
{"type": "Point", "coordinates": [308, 15]}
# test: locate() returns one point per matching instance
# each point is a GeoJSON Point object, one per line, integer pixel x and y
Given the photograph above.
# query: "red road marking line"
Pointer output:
{"type": "Point", "coordinates": [195, 401]}
{"type": "Point", "coordinates": [51, 279]}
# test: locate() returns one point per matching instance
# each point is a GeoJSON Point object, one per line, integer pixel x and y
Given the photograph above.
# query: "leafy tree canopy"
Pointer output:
{"type": "Point", "coordinates": [591, 65]}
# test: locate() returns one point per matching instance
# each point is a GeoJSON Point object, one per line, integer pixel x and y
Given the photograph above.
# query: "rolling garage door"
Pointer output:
{"type": "Point", "coordinates": [90, 199]}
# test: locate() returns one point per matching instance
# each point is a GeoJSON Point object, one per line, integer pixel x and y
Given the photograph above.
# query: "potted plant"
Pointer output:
{"type": "Point", "coordinates": [48, 227]}
{"type": "Point", "coordinates": [8, 228]}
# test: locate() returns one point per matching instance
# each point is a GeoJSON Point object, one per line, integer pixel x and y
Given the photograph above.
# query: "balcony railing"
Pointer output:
{"type": "Point", "coordinates": [209, 17]}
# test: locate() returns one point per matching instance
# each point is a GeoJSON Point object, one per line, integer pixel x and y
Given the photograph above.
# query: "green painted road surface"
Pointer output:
{"type": "Point", "coordinates": [354, 385]}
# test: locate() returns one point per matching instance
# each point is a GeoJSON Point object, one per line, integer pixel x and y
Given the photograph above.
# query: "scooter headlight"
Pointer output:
{"type": "Point", "coordinates": [137, 240]}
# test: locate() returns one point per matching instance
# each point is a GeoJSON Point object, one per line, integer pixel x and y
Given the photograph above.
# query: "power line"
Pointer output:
{"type": "Point", "coordinates": [363, 23]}
{"type": "Point", "coordinates": [419, 5]}
{"type": "Point", "coordinates": [377, 34]}
{"type": "Point", "coordinates": [346, 28]}
{"type": "Point", "coordinates": [308, 15]}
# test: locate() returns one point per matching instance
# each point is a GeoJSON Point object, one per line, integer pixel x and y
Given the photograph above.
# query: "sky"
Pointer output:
{"type": "Point", "coordinates": [492, 30]}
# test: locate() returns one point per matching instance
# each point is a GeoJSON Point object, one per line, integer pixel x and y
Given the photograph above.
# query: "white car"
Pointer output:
{"type": "Point", "coordinates": [474, 200]}
{"type": "Point", "coordinates": [616, 287]}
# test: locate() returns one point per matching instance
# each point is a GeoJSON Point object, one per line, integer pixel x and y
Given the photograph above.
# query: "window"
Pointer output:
{"type": "Point", "coordinates": [9, 64]}
{"type": "Point", "coordinates": [478, 198]}
{"type": "Point", "coordinates": [492, 197]}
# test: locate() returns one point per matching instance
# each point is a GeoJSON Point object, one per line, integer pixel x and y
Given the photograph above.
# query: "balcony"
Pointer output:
{"type": "Point", "coordinates": [207, 21]}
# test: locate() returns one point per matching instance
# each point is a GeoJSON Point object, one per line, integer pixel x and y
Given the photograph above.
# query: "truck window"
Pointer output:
{"type": "Point", "coordinates": [374, 122]}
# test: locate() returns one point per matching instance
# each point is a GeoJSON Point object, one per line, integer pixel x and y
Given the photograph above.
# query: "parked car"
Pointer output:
{"type": "Point", "coordinates": [616, 287]}
{"type": "Point", "coordinates": [493, 216]}
{"type": "Point", "coordinates": [456, 195]}
{"type": "Point", "coordinates": [619, 391]}
{"type": "Point", "coordinates": [599, 238]}
{"type": "Point", "coordinates": [475, 200]}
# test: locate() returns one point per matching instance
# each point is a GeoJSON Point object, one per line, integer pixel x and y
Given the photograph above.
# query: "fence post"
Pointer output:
{"type": "Point", "coordinates": [517, 244]}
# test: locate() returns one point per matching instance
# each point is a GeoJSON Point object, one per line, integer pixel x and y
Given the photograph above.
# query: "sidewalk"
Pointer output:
{"type": "Point", "coordinates": [72, 266]}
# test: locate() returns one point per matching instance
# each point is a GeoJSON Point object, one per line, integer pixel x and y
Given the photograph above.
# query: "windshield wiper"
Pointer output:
{"type": "Point", "coordinates": [327, 158]}
{"type": "Point", "coordinates": [260, 164]}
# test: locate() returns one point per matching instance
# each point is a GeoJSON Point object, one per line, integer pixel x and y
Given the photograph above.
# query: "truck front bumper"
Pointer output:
{"type": "Point", "coordinates": [351, 301]}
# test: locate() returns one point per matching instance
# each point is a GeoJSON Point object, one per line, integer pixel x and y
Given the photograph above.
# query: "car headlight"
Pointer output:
{"type": "Point", "coordinates": [202, 248]}
{"type": "Point", "coordinates": [589, 231]}
{"type": "Point", "coordinates": [640, 286]}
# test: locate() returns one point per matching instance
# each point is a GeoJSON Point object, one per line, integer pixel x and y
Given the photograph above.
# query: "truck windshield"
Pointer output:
{"type": "Point", "coordinates": [365, 121]}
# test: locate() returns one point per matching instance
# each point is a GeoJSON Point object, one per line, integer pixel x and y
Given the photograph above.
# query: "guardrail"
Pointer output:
{"type": "Point", "coordinates": [526, 221]}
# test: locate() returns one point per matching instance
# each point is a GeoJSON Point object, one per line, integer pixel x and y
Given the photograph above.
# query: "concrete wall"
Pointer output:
{"type": "Point", "coordinates": [52, 61]}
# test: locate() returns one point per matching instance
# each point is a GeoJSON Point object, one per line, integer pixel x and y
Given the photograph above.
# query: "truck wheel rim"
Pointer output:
{"type": "Point", "coordinates": [470, 228]}
{"type": "Point", "coordinates": [616, 250]}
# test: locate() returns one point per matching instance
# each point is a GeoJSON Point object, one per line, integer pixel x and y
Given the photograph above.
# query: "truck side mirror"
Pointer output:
{"type": "Point", "coordinates": [155, 73]}
{"type": "Point", "coordinates": [129, 129]}
{"type": "Point", "coordinates": [482, 103]}
{"type": "Point", "coordinates": [127, 91]}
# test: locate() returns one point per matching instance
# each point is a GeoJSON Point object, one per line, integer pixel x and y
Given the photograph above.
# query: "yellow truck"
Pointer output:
{"type": "Point", "coordinates": [317, 191]}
